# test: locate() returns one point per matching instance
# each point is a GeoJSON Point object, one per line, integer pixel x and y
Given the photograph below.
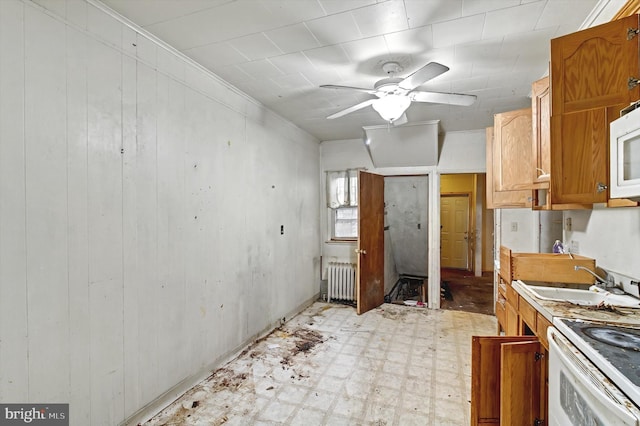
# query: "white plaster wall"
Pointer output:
{"type": "Point", "coordinates": [525, 237]}
{"type": "Point", "coordinates": [141, 201]}
{"type": "Point", "coordinates": [609, 235]}
{"type": "Point", "coordinates": [390, 271]}
{"type": "Point", "coordinates": [406, 209]}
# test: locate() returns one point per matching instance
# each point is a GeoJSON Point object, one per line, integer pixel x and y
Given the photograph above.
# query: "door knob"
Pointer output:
{"type": "Point", "coordinates": [360, 251]}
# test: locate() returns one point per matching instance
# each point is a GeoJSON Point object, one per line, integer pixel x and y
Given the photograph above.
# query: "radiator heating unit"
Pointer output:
{"type": "Point", "coordinates": [341, 281]}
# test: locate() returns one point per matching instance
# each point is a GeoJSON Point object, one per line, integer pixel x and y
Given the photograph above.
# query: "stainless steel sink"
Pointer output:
{"type": "Point", "coordinates": [583, 297]}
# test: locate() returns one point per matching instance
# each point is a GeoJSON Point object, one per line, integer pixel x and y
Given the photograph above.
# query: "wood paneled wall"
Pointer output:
{"type": "Point", "coordinates": [141, 201]}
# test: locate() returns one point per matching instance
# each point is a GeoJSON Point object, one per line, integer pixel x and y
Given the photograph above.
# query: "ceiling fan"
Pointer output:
{"type": "Point", "coordinates": [394, 95]}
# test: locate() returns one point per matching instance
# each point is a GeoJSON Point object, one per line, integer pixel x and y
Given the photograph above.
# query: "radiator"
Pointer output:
{"type": "Point", "coordinates": [342, 281]}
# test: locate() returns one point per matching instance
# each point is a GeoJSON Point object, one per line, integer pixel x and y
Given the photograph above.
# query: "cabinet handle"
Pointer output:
{"type": "Point", "coordinates": [601, 187]}
{"type": "Point", "coordinates": [632, 82]}
{"type": "Point", "coordinates": [632, 32]}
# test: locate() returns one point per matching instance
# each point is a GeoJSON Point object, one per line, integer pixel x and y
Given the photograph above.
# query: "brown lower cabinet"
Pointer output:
{"type": "Point", "coordinates": [508, 380]}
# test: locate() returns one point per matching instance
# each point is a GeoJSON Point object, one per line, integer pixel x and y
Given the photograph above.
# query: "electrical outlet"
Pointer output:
{"type": "Point", "coordinates": [567, 224]}
{"type": "Point", "coordinates": [514, 226]}
{"type": "Point", "coordinates": [575, 247]}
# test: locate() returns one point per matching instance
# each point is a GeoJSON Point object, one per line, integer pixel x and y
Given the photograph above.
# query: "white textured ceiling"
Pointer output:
{"type": "Point", "coordinates": [280, 51]}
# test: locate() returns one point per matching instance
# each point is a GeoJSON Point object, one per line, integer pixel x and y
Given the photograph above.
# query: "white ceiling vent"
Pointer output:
{"type": "Point", "coordinates": [409, 145]}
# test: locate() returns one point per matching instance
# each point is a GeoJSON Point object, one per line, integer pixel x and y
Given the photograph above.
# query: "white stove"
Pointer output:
{"type": "Point", "coordinates": [594, 373]}
{"type": "Point", "coordinates": [614, 349]}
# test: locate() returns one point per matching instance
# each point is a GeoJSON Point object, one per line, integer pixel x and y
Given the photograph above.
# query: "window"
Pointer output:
{"type": "Point", "coordinates": [342, 189]}
{"type": "Point", "coordinates": [345, 223]}
{"type": "Point", "coordinates": [342, 201]}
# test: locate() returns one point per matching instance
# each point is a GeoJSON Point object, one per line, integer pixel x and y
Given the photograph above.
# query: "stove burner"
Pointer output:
{"type": "Point", "coordinates": [614, 337]}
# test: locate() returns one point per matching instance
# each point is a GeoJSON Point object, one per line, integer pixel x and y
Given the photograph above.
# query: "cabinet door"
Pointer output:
{"type": "Point", "coordinates": [486, 366]}
{"type": "Point", "coordinates": [590, 72]}
{"type": "Point", "coordinates": [496, 197]}
{"type": "Point", "coordinates": [512, 320]}
{"type": "Point", "coordinates": [541, 116]}
{"type": "Point", "coordinates": [512, 163]}
{"type": "Point", "coordinates": [520, 383]}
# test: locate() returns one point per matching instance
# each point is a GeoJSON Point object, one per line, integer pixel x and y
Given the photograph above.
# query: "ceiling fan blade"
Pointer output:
{"type": "Point", "coordinates": [443, 98]}
{"type": "Point", "coordinates": [429, 71]}
{"type": "Point", "coordinates": [351, 109]}
{"type": "Point", "coordinates": [359, 89]}
{"type": "Point", "coordinates": [401, 120]}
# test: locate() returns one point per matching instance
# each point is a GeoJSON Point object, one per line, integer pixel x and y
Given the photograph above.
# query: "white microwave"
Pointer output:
{"type": "Point", "coordinates": [624, 155]}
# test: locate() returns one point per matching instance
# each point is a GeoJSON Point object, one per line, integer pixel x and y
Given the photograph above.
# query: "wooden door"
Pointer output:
{"type": "Point", "coordinates": [486, 367]}
{"type": "Point", "coordinates": [454, 232]}
{"type": "Point", "coordinates": [590, 76]}
{"type": "Point", "coordinates": [370, 283]}
{"type": "Point", "coordinates": [520, 383]}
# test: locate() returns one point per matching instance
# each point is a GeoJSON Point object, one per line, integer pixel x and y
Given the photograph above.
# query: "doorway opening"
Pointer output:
{"type": "Point", "coordinates": [406, 239]}
{"type": "Point", "coordinates": [466, 244]}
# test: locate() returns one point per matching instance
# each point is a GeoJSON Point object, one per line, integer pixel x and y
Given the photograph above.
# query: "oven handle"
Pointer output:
{"type": "Point", "coordinates": [558, 343]}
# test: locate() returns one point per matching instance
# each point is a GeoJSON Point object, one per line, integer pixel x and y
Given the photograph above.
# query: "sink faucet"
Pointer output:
{"type": "Point", "coordinates": [608, 281]}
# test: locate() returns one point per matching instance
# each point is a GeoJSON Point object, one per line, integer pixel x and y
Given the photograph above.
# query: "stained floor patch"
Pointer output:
{"type": "Point", "coordinates": [329, 366]}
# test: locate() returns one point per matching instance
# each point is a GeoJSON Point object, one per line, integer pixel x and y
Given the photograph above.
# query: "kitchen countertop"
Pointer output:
{"type": "Point", "coordinates": [551, 309]}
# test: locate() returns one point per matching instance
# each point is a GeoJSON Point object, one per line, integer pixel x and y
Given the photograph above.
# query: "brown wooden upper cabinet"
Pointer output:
{"type": "Point", "coordinates": [541, 149]}
{"type": "Point", "coordinates": [594, 75]}
{"type": "Point", "coordinates": [509, 161]}
{"type": "Point", "coordinates": [541, 114]}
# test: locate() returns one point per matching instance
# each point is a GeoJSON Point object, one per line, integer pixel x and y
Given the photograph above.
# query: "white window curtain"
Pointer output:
{"type": "Point", "coordinates": [342, 188]}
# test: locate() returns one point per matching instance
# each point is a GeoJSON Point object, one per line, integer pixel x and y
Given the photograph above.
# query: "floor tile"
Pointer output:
{"type": "Point", "coordinates": [276, 411]}
{"type": "Point", "coordinates": [394, 365]}
{"type": "Point", "coordinates": [320, 399]}
{"type": "Point", "coordinates": [349, 406]}
{"type": "Point", "coordinates": [379, 414]}
{"type": "Point", "coordinates": [391, 380]}
{"type": "Point", "coordinates": [336, 420]}
{"type": "Point", "coordinates": [308, 416]}
{"type": "Point", "coordinates": [293, 394]}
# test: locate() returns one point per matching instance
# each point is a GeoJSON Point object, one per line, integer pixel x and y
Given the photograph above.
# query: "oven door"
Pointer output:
{"type": "Point", "coordinates": [579, 394]}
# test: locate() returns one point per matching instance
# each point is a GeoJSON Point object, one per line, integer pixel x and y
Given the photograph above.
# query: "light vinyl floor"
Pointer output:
{"type": "Point", "coordinates": [394, 365]}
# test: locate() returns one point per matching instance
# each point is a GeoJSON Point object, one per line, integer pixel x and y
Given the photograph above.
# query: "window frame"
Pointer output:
{"type": "Point", "coordinates": [333, 218]}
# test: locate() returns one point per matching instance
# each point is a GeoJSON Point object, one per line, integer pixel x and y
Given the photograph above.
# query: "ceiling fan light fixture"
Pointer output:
{"type": "Point", "coordinates": [391, 107]}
